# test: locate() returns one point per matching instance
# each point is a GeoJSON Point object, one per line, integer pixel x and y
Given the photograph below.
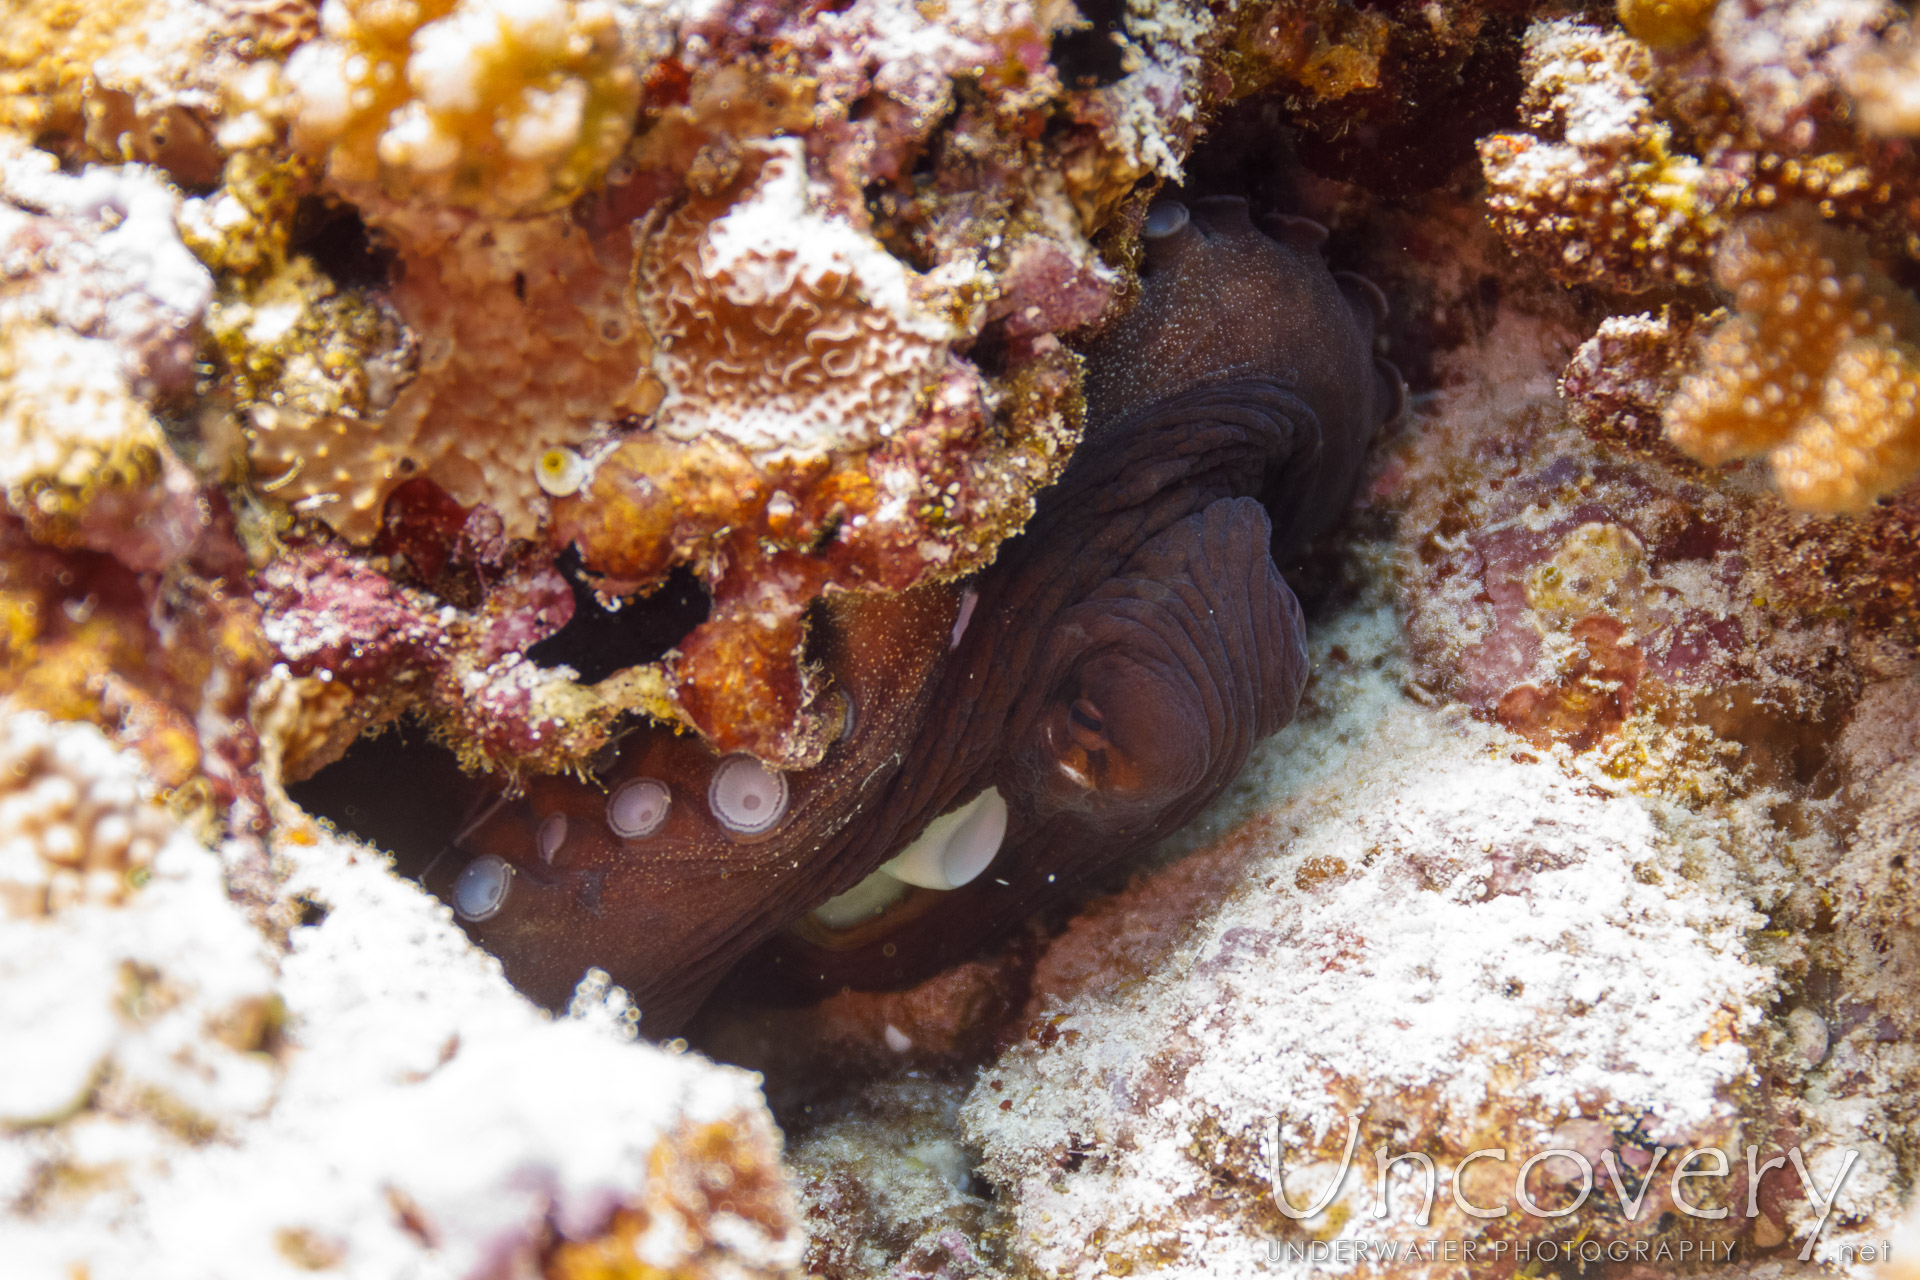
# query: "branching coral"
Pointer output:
{"type": "Point", "coordinates": [76, 831]}
{"type": "Point", "coordinates": [503, 108]}
{"type": "Point", "coordinates": [1816, 367]}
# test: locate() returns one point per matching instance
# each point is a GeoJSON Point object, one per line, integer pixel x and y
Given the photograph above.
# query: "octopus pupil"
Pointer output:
{"type": "Point", "coordinates": [1087, 716]}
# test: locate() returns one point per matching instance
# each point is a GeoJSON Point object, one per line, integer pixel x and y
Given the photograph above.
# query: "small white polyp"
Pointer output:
{"type": "Point", "coordinates": [747, 797]}
{"type": "Point", "coordinates": [956, 847]}
{"type": "Point", "coordinates": [482, 888]}
{"type": "Point", "coordinates": [638, 808]}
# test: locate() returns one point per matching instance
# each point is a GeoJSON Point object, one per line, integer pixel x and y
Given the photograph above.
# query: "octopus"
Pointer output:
{"type": "Point", "coordinates": [1004, 742]}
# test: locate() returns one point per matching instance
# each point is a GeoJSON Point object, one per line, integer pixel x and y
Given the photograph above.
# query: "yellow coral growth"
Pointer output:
{"type": "Point", "coordinates": [315, 367]}
{"type": "Point", "coordinates": [69, 427]}
{"type": "Point", "coordinates": [1666, 24]}
{"type": "Point", "coordinates": [1328, 47]}
{"type": "Point", "coordinates": [1815, 367]}
{"type": "Point", "coordinates": [506, 108]}
{"type": "Point", "coordinates": [1614, 203]}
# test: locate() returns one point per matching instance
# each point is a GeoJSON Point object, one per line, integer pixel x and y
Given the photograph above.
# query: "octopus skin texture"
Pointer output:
{"type": "Point", "coordinates": [1006, 741]}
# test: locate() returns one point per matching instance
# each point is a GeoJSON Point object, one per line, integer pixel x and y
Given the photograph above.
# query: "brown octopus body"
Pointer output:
{"type": "Point", "coordinates": [1005, 741]}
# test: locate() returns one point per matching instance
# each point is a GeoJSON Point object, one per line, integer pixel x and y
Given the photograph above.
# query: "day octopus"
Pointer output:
{"type": "Point", "coordinates": [1004, 741]}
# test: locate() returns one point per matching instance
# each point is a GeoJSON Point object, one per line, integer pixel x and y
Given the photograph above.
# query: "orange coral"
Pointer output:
{"type": "Point", "coordinates": [816, 428]}
{"type": "Point", "coordinates": [1814, 368]}
{"type": "Point", "coordinates": [1666, 24]}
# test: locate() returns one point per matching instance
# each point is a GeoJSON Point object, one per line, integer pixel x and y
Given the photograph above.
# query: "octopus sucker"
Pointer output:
{"type": "Point", "coordinates": [1004, 740]}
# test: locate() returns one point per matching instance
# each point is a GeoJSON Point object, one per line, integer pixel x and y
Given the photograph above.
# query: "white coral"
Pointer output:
{"type": "Point", "coordinates": [785, 329]}
{"type": "Point", "coordinates": [372, 1098]}
{"type": "Point", "coordinates": [118, 950]}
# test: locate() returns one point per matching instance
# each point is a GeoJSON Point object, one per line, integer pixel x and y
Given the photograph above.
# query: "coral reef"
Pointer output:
{"type": "Point", "coordinates": [1610, 200]}
{"type": "Point", "coordinates": [556, 369]}
{"type": "Point", "coordinates": [528, 370]}
{"type": "Point", "coordinates": [1639, 158]}
{"type": "Point", "coordinates": [356, 1089]}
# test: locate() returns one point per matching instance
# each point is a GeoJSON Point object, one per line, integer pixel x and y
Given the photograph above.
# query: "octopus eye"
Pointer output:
{"type": "Point", "coordinates": [1164, 219]}
{"type": "Point", "coordinates": [638, 808]}
{"type": "Point", "coordinates": [747, 797]}
{"type": "Point", "coordinates": [551, 835]}
{"type": "Point", "coordinates": [482, 889]}
{"type": "Point", "coordinates": [1086, 726]}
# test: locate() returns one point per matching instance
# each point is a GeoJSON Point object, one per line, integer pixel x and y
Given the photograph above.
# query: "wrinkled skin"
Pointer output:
{"type": "Point", "coordinates": [1107, 675]}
